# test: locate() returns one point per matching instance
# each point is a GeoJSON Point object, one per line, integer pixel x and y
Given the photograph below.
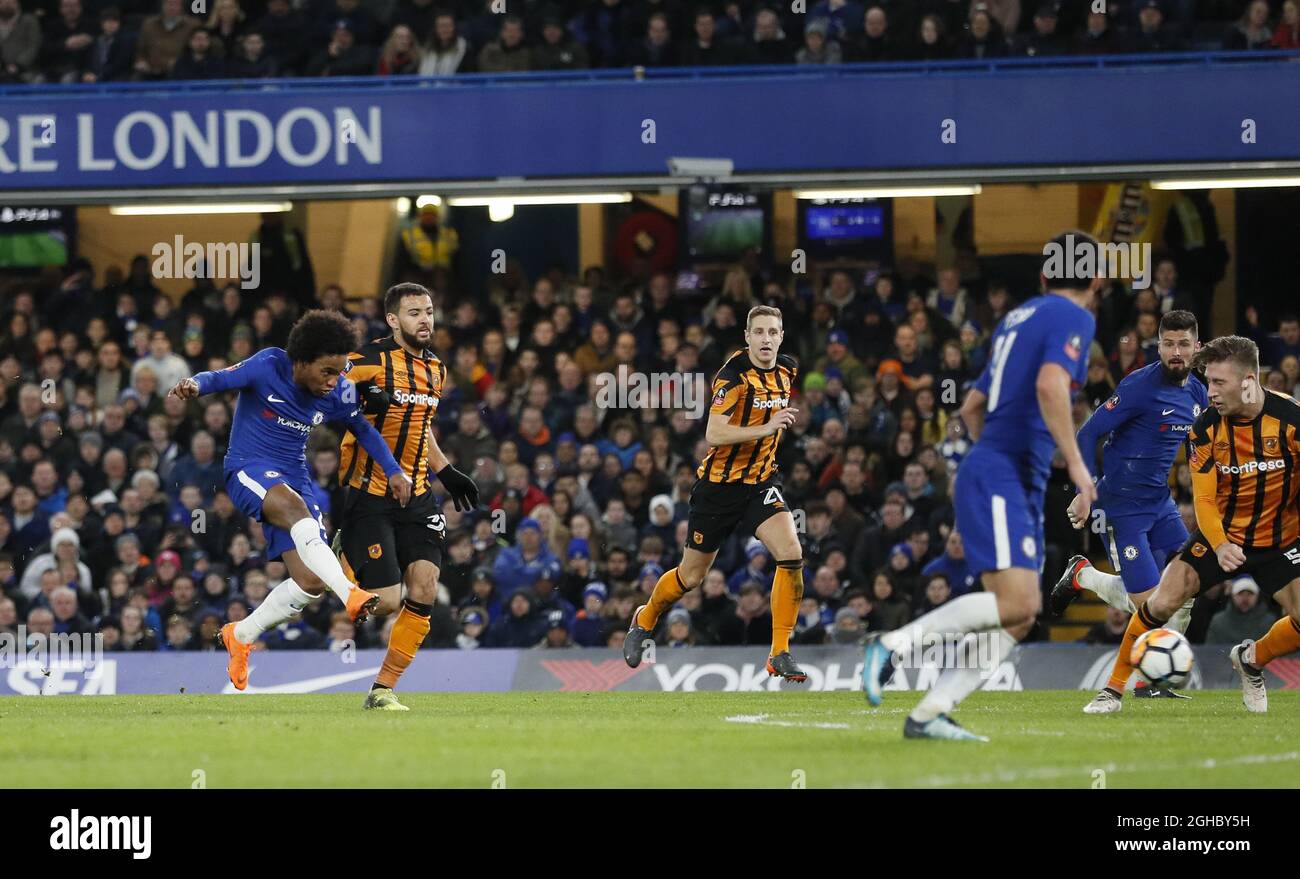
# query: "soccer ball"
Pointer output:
{"type": "Point", "coordinates": [1164, 657]}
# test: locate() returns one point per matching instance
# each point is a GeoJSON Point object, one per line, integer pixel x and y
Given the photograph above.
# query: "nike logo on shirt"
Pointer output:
{"type": "Point", "coordinates": [274, 399]}
{"type": "Point", "coordinates": [1167, 412]}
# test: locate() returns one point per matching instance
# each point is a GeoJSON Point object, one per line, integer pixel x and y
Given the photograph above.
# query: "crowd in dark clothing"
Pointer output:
{"type": "Point", "coordinates": [105, 41]}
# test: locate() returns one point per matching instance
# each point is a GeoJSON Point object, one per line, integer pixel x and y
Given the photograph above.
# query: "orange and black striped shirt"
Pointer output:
{"type": "Point", "coordinates": [414, 384]}
{"type": "Point", "coordinates": [1244, 475]}
{"type": "Point", "coordinates": [749, 396]}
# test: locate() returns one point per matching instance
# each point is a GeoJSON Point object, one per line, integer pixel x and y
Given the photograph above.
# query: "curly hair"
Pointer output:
{"type": "Point", "coordinates": [320, 334]}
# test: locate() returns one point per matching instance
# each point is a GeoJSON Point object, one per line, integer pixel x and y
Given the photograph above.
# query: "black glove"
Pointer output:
{"type": "Point", "coordinates": [461, 488]}
{"type": "Point", "coordinates": [374, 399]}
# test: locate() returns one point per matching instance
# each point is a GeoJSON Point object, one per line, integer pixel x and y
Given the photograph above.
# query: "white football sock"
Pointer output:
{"type": "Point", "coordinates": [283, 603]}
{"type": "Point", "coordinates": [319, 558]}
{"type": "Point", "coordinates": [955, 684]}
{"type": "Point", "coordinates": [1109, 588]}
{"type": "Point", "coordinates": [1181, 618]}
{"type": "Point", "coordinates": [974, 612]}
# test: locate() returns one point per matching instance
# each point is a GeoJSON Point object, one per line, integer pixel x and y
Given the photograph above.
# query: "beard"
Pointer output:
{"type": "Point", "coordinates": [412, 340]}
{"type": "Point", "coordinates": [1175, 375]}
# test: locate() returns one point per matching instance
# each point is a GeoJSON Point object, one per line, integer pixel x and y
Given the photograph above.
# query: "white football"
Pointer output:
{"type": "Point", "coordinates": [1164, 657]}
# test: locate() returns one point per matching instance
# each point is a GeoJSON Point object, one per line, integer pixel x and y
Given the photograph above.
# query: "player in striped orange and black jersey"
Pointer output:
{"type": "Point", "coordinates": [1244, 459]}
{"type": "Point", "coordinates": [383, 544]}
{"type": "Point", "coordinates": [738, 486]}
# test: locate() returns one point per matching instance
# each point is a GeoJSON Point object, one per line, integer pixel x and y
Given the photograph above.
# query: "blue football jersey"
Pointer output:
{"type": "Point", "coordinates": [1144, 424]}
{"type": "Point", "coordinates": [274, 416]}
{"type": "Point", "coordinates": [1046, 329]}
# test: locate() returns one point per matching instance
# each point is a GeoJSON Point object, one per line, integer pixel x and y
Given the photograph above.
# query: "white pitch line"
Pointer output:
{"type": "Point", "coordinates": [763, 720]}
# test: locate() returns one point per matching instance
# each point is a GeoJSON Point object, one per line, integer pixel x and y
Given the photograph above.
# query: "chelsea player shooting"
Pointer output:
{"type": "Point", "coordinates": [1145, 423]}
{"type": "Point", "coordinates": [283, 394]}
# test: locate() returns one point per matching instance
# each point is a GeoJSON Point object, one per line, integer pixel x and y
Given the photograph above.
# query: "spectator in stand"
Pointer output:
{"type": "Point", "coordinates": [1045, 39]}
{"type": "Point", "coordinates": [842, 19]}
{"type": "Point", "coordinates": [1274, 347]}
{"type": "Point", "coordinates": [769, 44]}
{"type": "Point", "coordinates": [227, 26]}
{"type": "Point", "coordinates": [401, 53]}
{"type": "Point", "coordinates": [656, 48]}
{"type": "Point", "coordinates": [875, 42]}
{"type": "Point", "coordinates": [1099, 36]}
{"type": "Point", "coordinates": [705, 48]}
{"type": "Point", "coordinates": [365, 28]}
{"type": "Point", "coordinates": [1128, 355]}
{"type": "Point", "coordinates": [199, 61]}
{"type": "Point", "coordinates": [558, 50]}
{"type": "Point", "coordinates": [818, 48]}
{"type": "Point", "coordinates": [67, 43]}
{"type": "Point", "coordinates": [163, 39]}
{"type": "Point", "coordinates": [1152, 34]}
{"type": "Point", "coordinates": [508, 53]}
{"type": "Point", "coordinates": [343, 56]}
{"type": "Point", "coordinates": [251, 60]}
{"type": "Point", "coordinates": [1251, 31]}
{"type": "Point", "coordinates": [1286, 35]}
{"type": "Point", "coordinates": [932, 41]}
{"type": "Point", "coordinates": [1244, 617]}
{"type": "Point", "coordinates": [285, 31]}
{"type": "Point", "coordinates": [20, 44]}
{"type": "Point", "coordinates": [112, 55]}
{"type": "Point", "coordinates": [607, 28]}
{"type": "Point", "coordinates": [983, 37]}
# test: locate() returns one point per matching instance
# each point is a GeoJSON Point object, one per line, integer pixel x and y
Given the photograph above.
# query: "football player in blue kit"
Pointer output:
{"type": "Point", "coordinates": [283, 395]}
{"type": "Point", "coordinates": [1018, 413]}
{"type": "Point", "coordinates": [1144, 424]}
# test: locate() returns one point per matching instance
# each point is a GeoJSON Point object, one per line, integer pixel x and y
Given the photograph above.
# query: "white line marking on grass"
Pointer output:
{"type": "Point", "coordinates": [764, 720]}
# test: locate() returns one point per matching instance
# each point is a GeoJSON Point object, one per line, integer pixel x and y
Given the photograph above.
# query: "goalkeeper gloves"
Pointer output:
{"type": "Point", "coordinates": [461, 488]}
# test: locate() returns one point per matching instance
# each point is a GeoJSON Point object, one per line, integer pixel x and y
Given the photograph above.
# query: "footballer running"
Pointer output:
{"type": "Point", "coordinates": [738, 487]}
{"type": "Point", "coordinates": [1243, 462]}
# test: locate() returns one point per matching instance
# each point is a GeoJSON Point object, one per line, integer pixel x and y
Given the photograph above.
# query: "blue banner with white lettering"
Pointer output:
{"type": "Point", "coordinates": [888, 117]}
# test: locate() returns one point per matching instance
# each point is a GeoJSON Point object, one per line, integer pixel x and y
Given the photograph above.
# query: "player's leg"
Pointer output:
{"type": "Point", "coordinates": [1000, 526]}
{"type": "Point", "coordinates": [318, 567]}
{"type": "Point", "coordinates": [777, 532]}
{"type": "Point", "coordinates": [1282, 569]}
{"type": "Point", "coordinates": [409, 631]}
{"type": "Point", "coordinates": [1018, 596]}
{"type": "Point", "coordinates": [1167, 536]}
{"type": "Point", "coordinates": [1179, 583]}
{"type": "Point", "coordinates": [672, 585]}
{"type": "Point", "coordinates": [1126, 542]}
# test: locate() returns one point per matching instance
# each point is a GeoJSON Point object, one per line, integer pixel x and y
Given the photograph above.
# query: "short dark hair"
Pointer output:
{"type": "Point", "coordinates": [1179, 320]}
{"type": "Point", "coordinates": [1064, 243]}
{"type": "Point", "coordinates": [1289, 317]}
{"type": "Point", "coordinates": [1237, 349]}
{"type": "Point", "coordinates": [320, 334]}
{"type": "Point", "coordinates": [396, 293]}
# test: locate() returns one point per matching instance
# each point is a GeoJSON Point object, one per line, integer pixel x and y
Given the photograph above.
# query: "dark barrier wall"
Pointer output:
{"type": "Point", "coordinates": [1073, 112]}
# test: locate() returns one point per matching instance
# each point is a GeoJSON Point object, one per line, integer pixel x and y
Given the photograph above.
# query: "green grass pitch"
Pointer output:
{"type": "Point", "coordinates": [615, 740]}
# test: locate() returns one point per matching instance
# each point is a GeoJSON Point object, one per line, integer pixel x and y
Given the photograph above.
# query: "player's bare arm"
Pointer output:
{"type": "Point", "coordinates": [1053, 388]}
{"type": "Point", "coordinates": [720, 432]}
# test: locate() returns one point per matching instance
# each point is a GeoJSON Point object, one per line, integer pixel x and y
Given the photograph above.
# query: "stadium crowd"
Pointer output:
{"type": "Point", "coordinates": [116, 40]}
{"type": "Point", "coordinates": [113, 515]}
